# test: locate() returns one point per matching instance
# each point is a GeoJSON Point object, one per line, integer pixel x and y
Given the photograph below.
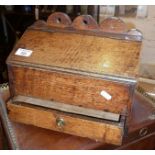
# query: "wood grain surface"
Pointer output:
{"type": "Point", "coordinates": [98, 130]}
{"type": "Point", "coordinates": [80, 52]}
{"type": "Point", "coordinates": [72, 89]}
{"type": "Point", "coordinates": [85, 22]}
{"type": "Point", "coordinates": [35, 138]}
{"type": "Point", "coordinates": [59, 19]}
{"type": "Point", "coordinates": [114, 25]}
{"type": "Point", "coordinates": [29, 136]}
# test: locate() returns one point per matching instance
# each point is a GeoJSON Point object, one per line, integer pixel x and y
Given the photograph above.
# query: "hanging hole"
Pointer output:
{"type": "Point", "coordinates": [85, 22]}
{"type": "Point", "coordinates": [58, 20]}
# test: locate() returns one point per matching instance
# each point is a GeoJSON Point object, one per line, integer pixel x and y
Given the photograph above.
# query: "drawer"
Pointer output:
{"type": "Point", "coordinates": [96, 129]}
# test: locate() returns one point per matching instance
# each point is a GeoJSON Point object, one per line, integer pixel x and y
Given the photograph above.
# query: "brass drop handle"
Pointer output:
{"type": "Point", "coordinates": [60, 122]}
{"type": "Point", "coordinates": [143, 132]}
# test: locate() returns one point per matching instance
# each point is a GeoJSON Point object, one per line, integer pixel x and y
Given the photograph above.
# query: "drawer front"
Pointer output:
{"type": "Point", "coordinates": [68, 88]}
{"type": "Point", "coordinates": [72, 124]}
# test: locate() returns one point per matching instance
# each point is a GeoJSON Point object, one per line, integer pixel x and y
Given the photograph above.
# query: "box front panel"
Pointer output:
{"type": "Point", "coordinates": [84, 91]}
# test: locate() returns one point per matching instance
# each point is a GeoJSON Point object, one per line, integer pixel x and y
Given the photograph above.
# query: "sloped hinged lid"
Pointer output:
{"type": "Point", "coordinates": [83, 46]}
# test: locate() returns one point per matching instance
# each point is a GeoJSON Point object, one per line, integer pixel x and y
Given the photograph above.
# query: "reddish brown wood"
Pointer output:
{"type": "Point", "coordinates": [114, 25]}
{"type": "Point", "coordinates": [85, 22]}
{"type": "Point", "coordinates": [40, 23]}
{"type": "Point", "coordinates": [50, 140]}
{"type": "Point", "coordinates": [146, 143]}
{"type": "Point", "coordinates": [59, 19]}
{"type": "Point", "coordinates": [29, 136]}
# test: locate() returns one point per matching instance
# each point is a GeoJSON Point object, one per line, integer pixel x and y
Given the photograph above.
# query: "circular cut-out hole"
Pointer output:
{"type": "Point", "coordinates": [85, 22]}
{"type": "Point", "coordinates": [58, 20]}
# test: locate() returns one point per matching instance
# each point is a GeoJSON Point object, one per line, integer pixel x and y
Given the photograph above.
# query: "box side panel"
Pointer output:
{"type": "Point", "coordinates": [84, 91]}
{"type": "Point", "coordinates": [11, 80]}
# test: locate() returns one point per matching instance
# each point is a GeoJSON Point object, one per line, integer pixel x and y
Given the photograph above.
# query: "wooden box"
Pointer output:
{"type": "Point", "coordinates": [78, 76]}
